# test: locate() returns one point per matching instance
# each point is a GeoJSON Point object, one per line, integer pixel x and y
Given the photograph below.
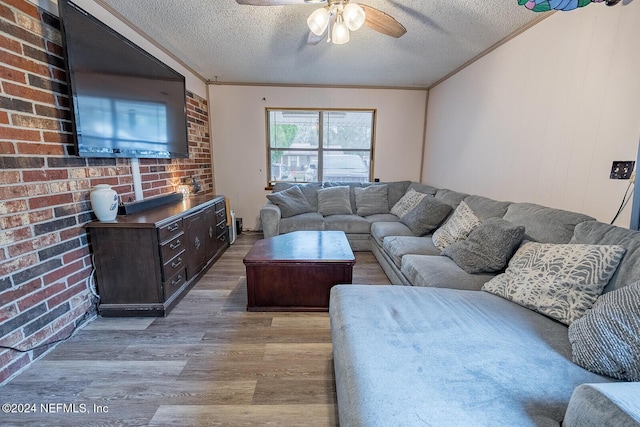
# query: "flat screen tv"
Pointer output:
{"type": "Point", "coordinates": [126, 103]}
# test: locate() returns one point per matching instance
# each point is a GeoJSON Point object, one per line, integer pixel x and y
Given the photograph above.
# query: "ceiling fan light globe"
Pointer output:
{"type": "Point", "coordinates": [318, 21]}
{"type": "Point", "coordinates": [340, 33]}
{"type": "Point", "coordinates": [354, 16]}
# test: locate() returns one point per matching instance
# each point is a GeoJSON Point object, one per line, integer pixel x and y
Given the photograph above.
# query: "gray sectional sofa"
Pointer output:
{"type": "Point", "coordinates": [454, 348]}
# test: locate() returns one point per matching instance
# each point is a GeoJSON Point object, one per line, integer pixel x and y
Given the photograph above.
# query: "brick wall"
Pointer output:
{"type": "Point", "coordinates": [45, 263]}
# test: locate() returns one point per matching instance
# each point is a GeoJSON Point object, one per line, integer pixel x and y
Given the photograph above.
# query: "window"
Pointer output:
{"type": "Point", "coordinates": [320, 145]}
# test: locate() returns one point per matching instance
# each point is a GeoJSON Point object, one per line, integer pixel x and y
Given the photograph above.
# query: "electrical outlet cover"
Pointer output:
{"type": "Point", "coordinates": [622, 170]}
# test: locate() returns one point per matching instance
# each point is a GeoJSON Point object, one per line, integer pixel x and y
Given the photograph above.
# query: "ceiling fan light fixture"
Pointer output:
{"type": "Point", "coordinates": [318, 21]}
{"type": "Point", "coordinates": [354, 16]}
{"type": "Point", "coordinates": [340, 32]}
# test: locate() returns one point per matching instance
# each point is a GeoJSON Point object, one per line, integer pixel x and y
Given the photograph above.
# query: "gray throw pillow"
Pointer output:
{"type": "Point", "coordinates": [290, 201]}
{"type": "Point", "coordinates": [606, 340]}
{"type": "Point", "coordinates": [372, 200]}
{"type": "Point", "coordinates": [426, 216]}
{"type": "Point", "coordinates": [334, 201]}
{"type": "Point", "coordinates": [561, 281]}
{"type": "Point", "coordinates": [488, 248]}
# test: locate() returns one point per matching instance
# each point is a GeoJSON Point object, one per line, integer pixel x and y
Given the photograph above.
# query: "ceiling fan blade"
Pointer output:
{"type": "Point", "coordinates": [270, 2]}
{"type": "Point", "coordinates": [382, 22]}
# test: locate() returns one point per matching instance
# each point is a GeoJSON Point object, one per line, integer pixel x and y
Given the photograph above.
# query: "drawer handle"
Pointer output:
{"type": "Point", "coordinates": [176, 263]}
{"type": "Point", "coordinates": [210, 231]}
{"type": "Point", "coordinates": [175, 244]}
{"type": "Point", "coordinates": [176, 280]}
{"type": "Point", "coordinates": [196, 243]}
{"type": "Point", "coordinates": [173, 227]}
{"type": "Point", "coordinates": [223, 237]}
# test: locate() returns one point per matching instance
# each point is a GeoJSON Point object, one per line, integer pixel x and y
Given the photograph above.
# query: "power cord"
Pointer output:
{"type": "Point", "coordinates": [91, 286]}
{"type": "Point", "coordinates": [626, 198]}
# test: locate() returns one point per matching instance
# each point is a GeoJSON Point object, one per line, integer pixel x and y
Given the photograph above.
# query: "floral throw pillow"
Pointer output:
{"type": "Point", "coordinates": [458, 227]}
{"type": "Point", "coordinates": [561, 281]}
{"type": "Point", "coordinates": [409, 201]}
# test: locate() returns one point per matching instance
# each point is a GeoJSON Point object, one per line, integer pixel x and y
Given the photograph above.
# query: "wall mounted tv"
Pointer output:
{"type": "Point", "coordinates": [126, 103]}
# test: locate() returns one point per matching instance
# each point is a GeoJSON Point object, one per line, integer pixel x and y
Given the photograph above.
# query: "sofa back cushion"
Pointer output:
{"type": "Point", "coordinates": [334, 201]}
{"type": "Point", "coordinates": [599, 233]}
{"type": "Point", "coordinates": [395, 191]}
{"type": "Point", "coordinates": [543, 224]}
{"type": "Point", "coordinates": [450, 197]}
{"type": "Point", "coordinates": [372, 200]}
{"type": "Point", "coordinates": [486, 208]}
{"type": "Point", "coordinates": [309, 190]}
{"type": "Point", "coordinates": [291, 202]}
{"type": "Point", "coordinates": [423, 188]}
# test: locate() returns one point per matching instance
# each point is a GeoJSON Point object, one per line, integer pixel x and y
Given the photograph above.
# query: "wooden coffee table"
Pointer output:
{"type": "Point", "coordinates": [295, 271]}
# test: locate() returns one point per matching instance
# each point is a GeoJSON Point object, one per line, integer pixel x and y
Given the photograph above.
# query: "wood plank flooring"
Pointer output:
{"type": "Point", "coordinates": [209, 363]}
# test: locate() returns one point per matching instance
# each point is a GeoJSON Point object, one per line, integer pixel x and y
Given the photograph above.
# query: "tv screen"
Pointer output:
{"type": "Point", "coordinates": [126, 103]}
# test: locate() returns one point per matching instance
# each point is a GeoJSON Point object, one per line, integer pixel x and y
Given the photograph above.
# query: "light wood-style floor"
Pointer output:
{"type": "Point", "coordinates": [210, 362]}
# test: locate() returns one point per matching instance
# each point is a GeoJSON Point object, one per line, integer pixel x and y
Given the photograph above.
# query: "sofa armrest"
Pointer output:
{"type": "Point", "coordinates": [604, 404]}
{"type": "Point", "coordinates": [270, 216]}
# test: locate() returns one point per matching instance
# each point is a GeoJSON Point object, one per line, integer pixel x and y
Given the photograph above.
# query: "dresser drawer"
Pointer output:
{"type": "Point", "coordinates": [221, 216]}
{"type": "Point", "coordinates": [170, 230]}
{"type": "Point", "coordinates": [174, 265]}
{"type": "Point", "coordinates": [172, 248]}
{"type": "Point", "coordinates": [172, 284]}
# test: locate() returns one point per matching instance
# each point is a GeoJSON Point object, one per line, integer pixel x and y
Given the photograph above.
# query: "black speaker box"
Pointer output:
{"type": "Point", "coordinates": [238, 225]}
{"type": "Point", "coordinates": [146, 204]}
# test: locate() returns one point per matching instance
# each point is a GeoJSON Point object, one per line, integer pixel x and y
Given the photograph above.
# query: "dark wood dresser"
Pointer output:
{"type": "Point", "coordinates": [146, 262]}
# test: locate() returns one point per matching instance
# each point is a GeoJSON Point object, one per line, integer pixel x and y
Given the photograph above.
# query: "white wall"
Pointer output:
{"type": "Point", "coordinates": [238, 131]}
{"type": "Point", "coordinates": [542, 117]}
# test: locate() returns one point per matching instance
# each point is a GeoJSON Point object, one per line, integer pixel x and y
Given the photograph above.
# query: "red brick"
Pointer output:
{"type": "Point", "coordinates": [64, 138]}
{"type": "Point", "coordinates": [10, 44]}
{"type": "Point", "coordinates": [55, 48]}
{"type": "Point", "coordinates": [20, 361]}
{"type": "Point", "coordinates": [11, 74]}
{"type": "Point", "coordinates": [41, 295]}
{"type": "Point", "coordinates": [7, 13]}
{"type": "Point", "coordinates": [45, 175]}
{"type": "Point", "coordinates": [41, 149]}
{"type": "Point", "coordinates": [47, 201]}
{"type": "Point", "coordinates": [31, 245]}
{"type": "Point", "coordinates": [29, 93]}
{"type": "Point", "coordinates": [25, 7]}
{"type": "Point", "coordinates": [18, 292]}
{"type": "Point", "coordinates": [13, 134]}
{"type": "Point", "coordinates": [79, 253]}
{"type": "Point", "coordinates": [24, 64]}
{"type": "Point", "coordinates": [65, 296]}
{"type": "Point", "coordinates": [4, 119]}
{"type": "Point", "coordinates": [79, 277]}
{"type": "Point", "coordinates": [64, 271]}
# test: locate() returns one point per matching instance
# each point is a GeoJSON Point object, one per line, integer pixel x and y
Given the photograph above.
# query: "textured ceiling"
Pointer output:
{"type": "Point", "coordinates": [224, 41]}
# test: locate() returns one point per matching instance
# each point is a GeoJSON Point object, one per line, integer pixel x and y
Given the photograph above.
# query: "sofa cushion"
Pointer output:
{"type": "Point", "coordinates": [485, 208]}
{"type": "Point", "coordinates": [440, 272]}
{"type": "Point", "coordinates": [488, 248]}
{"type": "Point", "coordinates": [606, 340]}
{"type": "Point", "coordinates": [450, 197]}
{"type": "Point", "coordinates": [599, 233]}
{"type": "Point", "coordinates": [372, 200]}
{"type": "Point", "coordinates": [398, 246]}
{"type": "Point", "coordinates": [380, 230]}
{"type": "Point", "coordinates": [382, 218]}
{"type": "Point", "coordinates": [407, 202]}
{"type": "Point", "coordinates": [458, 227]}
{"type": "Point", "coordinates": [290, 201]}
{"type": "Point", "coordinates": [423, 188]}
{"type": "Point", "coordinates": [334, 201]}
{"type": "Point", "coordinates": [426, 216]}
{"type": "Point", "coordinates": [350, 224]}
{"type": "Point", "coordinates": [543, 224]}
{"type": "Point", "coordinates": [395, 190]}
{"type": "Point", "coordinates": [311, 221]}
{"type": "Point", "coordinates": [604, 404]}
{"type": "Point", "coordinates": [560, 281]}
{"type": "Point", "coordinates": [351, 185]}
{"type": "Point", "coordinates": [408, 356]}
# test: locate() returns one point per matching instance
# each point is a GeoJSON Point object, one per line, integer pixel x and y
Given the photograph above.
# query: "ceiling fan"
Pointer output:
{"type": "Point", "coordinates": [339, 17]}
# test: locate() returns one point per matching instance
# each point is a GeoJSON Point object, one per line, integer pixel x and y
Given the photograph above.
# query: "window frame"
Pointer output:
{"type": "Point", "coordinates": [320, 150]}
